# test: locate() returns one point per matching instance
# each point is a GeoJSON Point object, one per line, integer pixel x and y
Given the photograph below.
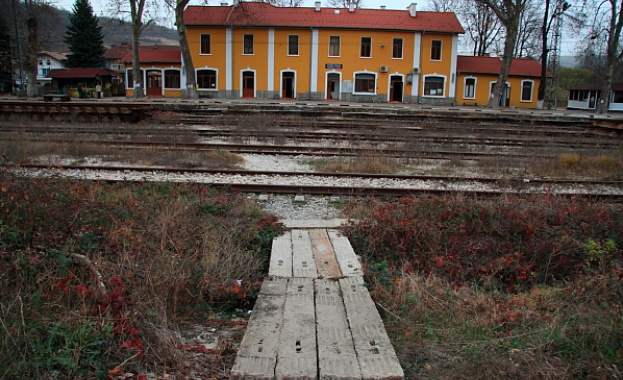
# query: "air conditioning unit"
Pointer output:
{"type": "Point", "coordinates": [416, 70]}
{"type": "Point", "coordinates": [383, 69]}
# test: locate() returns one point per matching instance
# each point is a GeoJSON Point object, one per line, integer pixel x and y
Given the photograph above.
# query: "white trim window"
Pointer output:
{"type": "Point", "coordinates": [470, 88]}
{"type": "Point", "coordinates": [527, 87]}
{"type": "Point", "coordinates": [334, 46]}
{"type": "Point", "coordinates": [172, 79]}
{"type": "Point", "coordinates": [247, 48]}
{"type": "Point", "coordinates": [434, 85]}
{"type": "Point", "coordinates": [365, 83]}
{"type": "Point", "coordinates": [206, 79]}
{"type": "Point", "coordinates": [435, 50]}
{"type": "Point", "coordinates": [397, 48]}
{"type": "Point", "coordinates": [293, 44]}
{"type": "Point", "coordinates": [205, 45]}
{"type": "Point", "coordinates": [365, 50]}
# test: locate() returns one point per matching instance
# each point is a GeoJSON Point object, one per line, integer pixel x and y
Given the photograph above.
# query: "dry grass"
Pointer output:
{"type": "Point", "coordinates": [369, 165]}
{"type": "Point", "coordinates": [24, 150]}
{"type": "Point", "coordinates": [569, 331]}
{"type": "Point", "coordinates": [573, 165]}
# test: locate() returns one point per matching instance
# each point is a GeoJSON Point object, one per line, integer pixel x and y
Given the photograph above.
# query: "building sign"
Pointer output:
{"type": "Point", "coordinates": [332, 65]}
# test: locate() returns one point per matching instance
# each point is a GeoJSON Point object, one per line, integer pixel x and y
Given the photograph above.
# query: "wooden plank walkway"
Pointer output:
{"type": "Point", "coordinates": [314, 318]}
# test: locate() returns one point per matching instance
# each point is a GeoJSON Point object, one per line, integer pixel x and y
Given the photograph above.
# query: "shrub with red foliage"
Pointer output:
{"type": "Point", "coordinates": [512, 242]}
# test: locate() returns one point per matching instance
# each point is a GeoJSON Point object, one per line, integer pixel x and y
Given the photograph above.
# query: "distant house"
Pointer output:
{"type": "Point", "coordinates": [161, 70]}
{"type": "Point", "coordinates": [476, 77]}
{"type": "Point", "coordinates": [46, 62]}
{"type": "Point", "coordinates": [586, 96]}
{"type": "Point", "coordinates": [112, 56]}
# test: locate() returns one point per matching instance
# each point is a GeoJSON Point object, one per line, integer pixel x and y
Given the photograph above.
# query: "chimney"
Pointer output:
{"type": "Point", "coordinates": [412, 9]}
{"type": "Point", "coordinates": [351, 6]}
{"type": "Point", "coordinates": [236, 3]}
{"type": "Point", "coordinates": [317, 4]}
{"type": "Point", "coordinates": [383, 7]}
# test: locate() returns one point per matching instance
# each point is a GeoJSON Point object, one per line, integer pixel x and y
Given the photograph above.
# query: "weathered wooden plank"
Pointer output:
{"type": "Point", "coordinates": [376, 356]}
{"type": "Point", "coordinates": [297, 351]}
{"type": "Point", "coordinates": [253, 368]}
{"type": "Point", "coordinates": [336, 353]}
{"type": "Point", "coordinates": [274, 286]}
{"type": "Point", "coordinates": [345, 255]}
{"type": "Point", "coordinates": [303, 264]}
{"type": "Point", "coordinates": [326, 263]}
{"type": "Point", "coordinates": [281, 256]}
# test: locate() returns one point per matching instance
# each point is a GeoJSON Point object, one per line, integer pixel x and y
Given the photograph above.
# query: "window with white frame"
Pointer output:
{"type": "Point", "coordinates": [470, 88]}
{"type": "Point", "coordinates": [526, 90]}
{"type": "Point", "coordinates": [397, 48]}
{"type": "Point", "coordinates": [366, 47]}
{"type": "Point", "coordinates": [435, 50]}
{"type": "Point", "coordinates": [172, 79]}
{"type": "Point", "coordinates": [434, 86]}
{"type": "Point", "coordinates": [206, 79]}
{"type": "Point", "coordinates": [130, 81]}
{"type": "Point", "coordinates": [205, 44]}
{"type": "Point", "coordinates": [334, 46]}
{"type": "Point", "coordinates": [293, 44]}
{"type": "Point", "coordinates": [365, 83]}
{"type": "Point", "coordinates": [248, 44]}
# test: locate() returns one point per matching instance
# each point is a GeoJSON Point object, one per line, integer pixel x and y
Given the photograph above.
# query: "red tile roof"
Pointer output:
{"type": "Point", "coordinates": [116, 52]}
{"type": "Point", "coordinates": [260, 14]}
{"type": "Point", "coordinates": [156, 54]}
{"type": "Point", "coordinates": [81, 73]}
{"type": "Point", "coordinates": [526, 67]}
{"type": "Point", "coordinates": [54, 54]}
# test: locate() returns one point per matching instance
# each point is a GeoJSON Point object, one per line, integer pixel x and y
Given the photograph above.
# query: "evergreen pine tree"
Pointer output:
{"type": "Point", "coordinates": [84, 37]}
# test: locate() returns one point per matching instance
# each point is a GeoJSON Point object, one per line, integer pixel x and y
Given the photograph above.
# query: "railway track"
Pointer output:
{"type": "Point", "coordinates": [334, 184]}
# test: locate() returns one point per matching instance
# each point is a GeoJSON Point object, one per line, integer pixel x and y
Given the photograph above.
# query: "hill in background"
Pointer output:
{"type": "Point", "coordinates": [115, 32]}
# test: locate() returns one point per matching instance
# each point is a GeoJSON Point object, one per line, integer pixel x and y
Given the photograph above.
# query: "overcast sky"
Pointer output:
{"type": "Point", "coordinates": [100, 7]}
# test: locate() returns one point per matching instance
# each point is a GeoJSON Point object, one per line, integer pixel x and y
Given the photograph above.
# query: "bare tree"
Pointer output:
{"type": "Point", "coordinates": [606, 23]}
{"type": "Point", "coordinates": [528, 42]}
{"type": "Point", "coordinates": [482, 26]}
{"type": "Point", "coordinates": [137, 10]}
{"type": "Point", "coordinates": [345, 3]}
{"type": "Point", "coordinates": [556, 10]}
{"type": "Point", "coordinates": [178, 7]}
{"type": "Point", "coordinates": [285, 3]}
{"type": "Point", "coordinates": [444, 5]}
{"type": "Point", "coordinates": [509, 13]}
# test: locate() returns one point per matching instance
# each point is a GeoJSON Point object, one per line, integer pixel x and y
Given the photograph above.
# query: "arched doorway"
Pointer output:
{"type": "Point", "coordinates": [396, 86]}
{"type": "Point", "coordinates": [333, 86]}
{"type": "Point", "coordinates": [248, 84]}
{"type": "Point", "coordinates": [287, 85]}
{"type": "Point", "coordinates": [154, 83]}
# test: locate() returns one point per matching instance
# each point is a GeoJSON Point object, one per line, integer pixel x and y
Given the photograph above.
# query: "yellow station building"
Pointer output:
{"type": "Point", "coordinates": [257, 50]}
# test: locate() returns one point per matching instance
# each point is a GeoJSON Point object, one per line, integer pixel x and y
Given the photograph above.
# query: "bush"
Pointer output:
{"type": "Point", "coordinates": [510, 243]}
{"type": "Point", "coordinates": [117, 265]}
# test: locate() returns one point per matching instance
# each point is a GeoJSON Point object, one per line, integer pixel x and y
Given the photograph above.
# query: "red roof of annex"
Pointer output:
{"type": "Point", "coordinates": [260, 14]}
{"type": "Point", "coordinates": [156, 54]}
{"type": "Point", "coordinates": [528, 67]}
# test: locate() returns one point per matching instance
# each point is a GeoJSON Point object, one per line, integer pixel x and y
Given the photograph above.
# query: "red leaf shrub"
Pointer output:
{"type": "Point", "coordinates": [516, 241]}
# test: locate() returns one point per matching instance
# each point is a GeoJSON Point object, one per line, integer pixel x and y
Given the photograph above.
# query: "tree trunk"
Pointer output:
{"type": "Point", "coordinates": [544, 54]}
{"type": "Point", "coordinates": [137, 25]}
{"type": "Point", "coordinates": [512, 28]}
{"type": "Point", "coordinates": [613, 56]}
{"type": "Point", "coordinates": [33, 49]}
{"type": "Point", "coordinates": [602, 102]}
{"type": "Point", "coordinates": [189, 67]}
